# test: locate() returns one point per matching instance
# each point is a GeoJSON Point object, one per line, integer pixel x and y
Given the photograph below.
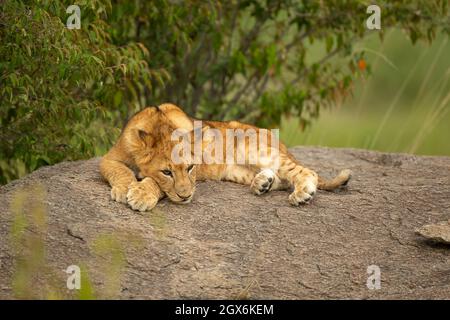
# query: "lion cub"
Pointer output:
{"type": "Point", "coordinates": [149, 162]}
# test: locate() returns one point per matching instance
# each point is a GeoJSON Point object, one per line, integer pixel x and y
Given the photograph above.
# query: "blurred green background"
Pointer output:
{"type": "Point", "coordinates": [311, 68]}
{"type": "Point", "coordinates": [402, 107]}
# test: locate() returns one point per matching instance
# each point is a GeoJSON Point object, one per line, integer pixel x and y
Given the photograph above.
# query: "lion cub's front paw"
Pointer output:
{"type": "Point", "coordinates": [140, 198]}
{"type": "Point", "coordinates": [119, 194]}
{"type": "Point", "coordinates": [262, 182]}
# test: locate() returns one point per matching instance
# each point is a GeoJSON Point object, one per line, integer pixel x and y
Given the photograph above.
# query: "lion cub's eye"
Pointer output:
{"type": "Point", "coordinates": [167, 172]}
{"type": "Point", "coordinates": [190, 167]}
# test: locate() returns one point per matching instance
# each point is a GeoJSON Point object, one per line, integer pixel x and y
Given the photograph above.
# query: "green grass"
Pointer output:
{"type": "Point", "coordinates": [344, 128]}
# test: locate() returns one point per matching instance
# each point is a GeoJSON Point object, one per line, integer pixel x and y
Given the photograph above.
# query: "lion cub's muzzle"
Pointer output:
{"type": "Point", "coordinates": [182, 199]}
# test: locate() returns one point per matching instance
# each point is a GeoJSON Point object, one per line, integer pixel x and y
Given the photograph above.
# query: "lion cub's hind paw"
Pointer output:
{"type": "Point", "coordinates": [303, 195]}
{"type": "Point", "coordinates": [301, 198]}
{"type": "Point", "coordinates": [262, 182]}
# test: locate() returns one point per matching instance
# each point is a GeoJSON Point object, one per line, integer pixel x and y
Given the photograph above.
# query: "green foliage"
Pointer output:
{"type": "Point", "coordinates": [64, 93]}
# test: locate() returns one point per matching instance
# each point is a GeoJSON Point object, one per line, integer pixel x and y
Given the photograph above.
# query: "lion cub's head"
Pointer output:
{"type": "Point", "coordinates": [148, 140]}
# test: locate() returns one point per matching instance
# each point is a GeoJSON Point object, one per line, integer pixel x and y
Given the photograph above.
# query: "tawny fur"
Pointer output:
{"type": "Point", "coordinates": [145, 147]}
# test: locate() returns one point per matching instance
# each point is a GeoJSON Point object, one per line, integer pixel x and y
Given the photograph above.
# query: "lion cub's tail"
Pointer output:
{"type": "Point", "coordinates": [340, 180]}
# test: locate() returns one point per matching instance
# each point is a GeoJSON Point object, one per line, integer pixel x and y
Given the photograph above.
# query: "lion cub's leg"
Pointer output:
{"type": "Point", "coordinates": [119, 177]}
{"type": "Point", "coordinates": [239, 173]}
{"type": "Point", "coordinates": [305, 186]}
{"type": "Point", "coordinates": [140, 195]}
{"type": "Point", "coordinates": [144, 195]}
{"type": "Point", "coordinates": [303, 179]}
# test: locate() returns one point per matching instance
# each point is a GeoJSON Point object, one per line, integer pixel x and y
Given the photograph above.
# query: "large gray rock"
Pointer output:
{"type": "Point", "coordinates": [439, 232]}
{"type": "Point", "coordinates": [229, 243]}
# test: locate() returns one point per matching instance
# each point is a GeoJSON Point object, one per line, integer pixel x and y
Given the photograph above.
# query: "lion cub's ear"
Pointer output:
{"type": "Point", "coordinates": [176, 116]}
{"type": "Point", "coordinates": [146, 138]}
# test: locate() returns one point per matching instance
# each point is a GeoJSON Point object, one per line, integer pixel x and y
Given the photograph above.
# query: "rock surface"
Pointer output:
{"type": "Point", "coordinates": [229, 243]}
